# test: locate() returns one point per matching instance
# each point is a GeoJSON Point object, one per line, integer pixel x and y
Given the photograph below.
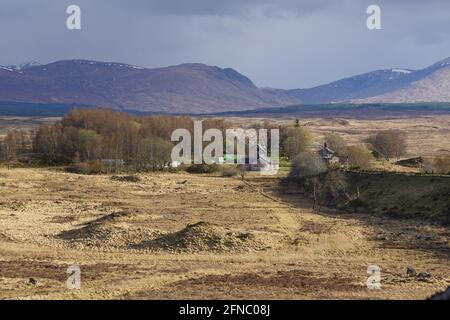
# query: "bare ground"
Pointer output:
{"type": "Point", "coordinates": [181, 236]}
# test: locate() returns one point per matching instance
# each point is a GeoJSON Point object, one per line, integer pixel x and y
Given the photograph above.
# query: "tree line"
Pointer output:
{"type": "Point", "coordinates": [98, 137]}
{"type": "Point", "coordinates": [95, 137]}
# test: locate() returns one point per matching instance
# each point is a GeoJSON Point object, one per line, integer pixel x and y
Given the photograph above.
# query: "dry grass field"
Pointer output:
{"type": "Point", "coordinates": [7, 123]}
{"type": "Point", "coordinates": [426, 136]}
{"type": "Point", "coordinates": [182, 236]}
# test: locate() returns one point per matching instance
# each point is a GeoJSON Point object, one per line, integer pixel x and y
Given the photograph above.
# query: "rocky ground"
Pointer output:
{"type": "Point", "coordinates": [181, 236]}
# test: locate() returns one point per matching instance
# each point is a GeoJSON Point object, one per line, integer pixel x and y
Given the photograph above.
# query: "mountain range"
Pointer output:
{"type": "Point", "coordinates": [398, 85]}
{"type": "Point", "coordinates": [198, 88]}
{"type": "Point", "coordinates": [187, 88]}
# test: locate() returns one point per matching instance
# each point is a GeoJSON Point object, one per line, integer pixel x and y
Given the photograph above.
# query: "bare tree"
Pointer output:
{"type": "Point", "coordinates": [389, 143]}
{"type": "Point", "coordinates": [47, 142]}
{"type": "Point", "coordinates": [155, 153]}
{"type": "Point", "coordinates": [10, 151]}
{"type": "Point", "coordinates": [309, 165]}
{"type": "Point", "coordinates": [297, 140]}
{"type": "Point", "coordinates": [336, 143]}
{"type": "Point", "coordinates": [14, 143]}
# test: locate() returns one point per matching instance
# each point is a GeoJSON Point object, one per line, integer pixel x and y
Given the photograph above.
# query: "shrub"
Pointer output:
{"type": "Point", "coordinates": [126, 178]}
{"type": "Point", "coordinates": [357, 204]}
{"type": "Point", "coordinates": [359, 156]}
{"type": "Point", "coordinates": [295, 141]}
{"type": "Point", "coordinates": [230, 172]}
{"type": "Point", "coordinates": [307, 164]}
{"type": "Point", "coordinates": [439, 165]}
{"type": "Point", "coordinates": [203, 168]}
{"type": "Point", "coordinates": [332, 186]}
{"type": "Point", "coordinates": [91, 167]}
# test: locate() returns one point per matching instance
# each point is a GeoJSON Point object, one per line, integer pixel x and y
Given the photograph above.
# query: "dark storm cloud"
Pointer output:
{"type": "Point", "coordinates": [284, 43]}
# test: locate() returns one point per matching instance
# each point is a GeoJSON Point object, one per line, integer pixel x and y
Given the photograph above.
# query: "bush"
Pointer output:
{"type": "Point", "coordinates": [296, 140]}
{"type": "Point", "coordinates": [230, 172]}
{"type": "Point", "coordinates": [307, 164]}
{"type": "Point", "coordinates": [332, 187]}
{"type": "Point", "coordinates": [357, 204]}
{"type": "Point", "coordinates": [440, 165]}
{"type": "Point", "coordinates": [91, 167]}
{"type": "Point", "coordinates": [177, 169]}
{"type": "Point", "coordinates": [126, 178]}
{"type": "Point", "coordinates": [359, 156]}
{"type": "Point", "coordinates": [203, 168]}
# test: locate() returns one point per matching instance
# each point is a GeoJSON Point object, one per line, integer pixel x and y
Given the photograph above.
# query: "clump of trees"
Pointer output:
{"type": "Point", "coordinates": [92, 134]}
{"type": "Point", "coordinates": [98, 140]}
{"type": "Point", "coordinates": [333, 187]}
{"type": "Point", "coordinates": [383, 144]}
{"type": "Point", "coordinates": [88, 140]}
{"type": "Point", "coordinates": [323, 185]}
{"type": "Point", "coordinates": [319, 180]}
{"type": "Point", "coordinates": [356, 156]}
{"type": "Point", "coordinates": [388, 143]}
{"type": "Point", "coordinates": [327, 185]}
{"type": "Point", "coordinates": [294, 140]}
{"type": "Point", "coordinates": [15, 143]}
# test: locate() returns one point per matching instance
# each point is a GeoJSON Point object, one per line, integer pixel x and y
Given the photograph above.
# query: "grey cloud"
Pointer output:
{"type": "Point", "coordinates": [225, 8]}
{"type": "Point", "coordinates": [284, 43]}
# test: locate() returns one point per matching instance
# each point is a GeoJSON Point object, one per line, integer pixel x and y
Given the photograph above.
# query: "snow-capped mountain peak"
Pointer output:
{"type": "Point", "coordinates": [22, 66]}
{"type": "Point", "coordinates": [105, 64]}
{"type": "Point", "coordinates": [401, 70]}
{"type": "Point", "coordinates": [6, 68]}
{"type": "Point", "coordinates": [29, 64]}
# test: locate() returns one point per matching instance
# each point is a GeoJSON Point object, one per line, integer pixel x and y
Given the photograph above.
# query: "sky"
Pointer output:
{"type": "Point", "coordinates": [281, 44]}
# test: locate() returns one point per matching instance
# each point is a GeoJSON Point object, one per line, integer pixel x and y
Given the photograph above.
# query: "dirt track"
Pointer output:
{"type": "Point", "coordinates": [132, 241]}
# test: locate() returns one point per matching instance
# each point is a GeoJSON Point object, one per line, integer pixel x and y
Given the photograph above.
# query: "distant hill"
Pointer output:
{"type": "Point", "coordinates": [200, 89]}
{"type": "Point", "coordinates": [360, 86]}
{"type": "Point", "coordinates": [397, 85]}
{"type": "Point", "coordinates": [187, 88]}
{"type": "Point", "coordinates": [431, 84]}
